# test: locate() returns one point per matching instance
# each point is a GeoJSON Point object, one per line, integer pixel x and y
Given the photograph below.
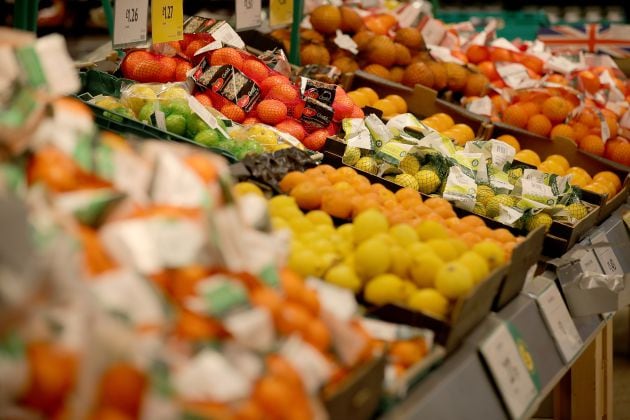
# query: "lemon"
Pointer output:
{"type": "Point", "coordinates": [174, 92]}
{"type": "Point", "coordinates": [577, 210]}
{"type": "Point", "coordinates": [492, 252]}
{"type": "Point", "coordinates": [409, 165]}
{"type": "Point", "coordinates": [367, 164]}
{"type": "Point", "coordinates": [406, 180]}
{"type": "Point", "coordinates": [404, 234]}
{"type": "Point", "coordinates": [351, 156]}
{"type": "Point", "coordinates": [424, 268]}
{"type": "Point", "coordinates": [319, 217]}
{"type": "Point", "coordinates": [384, 289]}
{"type": "Point", "coordinates": [407, 290]}
{"type": "Point", "coordinates": [540, 219]}
{"type": "Point", "coordinates": [428, 181]}
{"type": "Point", "coordinates": [306, 263]}
{"type": "Point", "coordinates": [278, 223]}
{"type": "Point", "coordinates": [454, 280]}
{"type": "Point", "coordinates": [400, 261]}
{"type": "Point", "coordinates": [430, 301]}
{"type": "Point", "coordinates": [476, 264]}
{"type": "Point", "coordinates": [137, 96]}
{"type": "Point", "coordinates": [343, 275]}
{"type": "Point", "coordinates": [484, 194]}
{"type": "Point", "coordinates": [430, 229]}
{"type": "Point", "coordinates": [494, 204]}
{"type": "Point", "coordinates": [301, 225]}
{"type": "Point", "coordinates": [418, 248]}
{"type": "Point", "coordinates": [443, 248]}
{"type": "Point", "coordinates": [243, 188]}
{"type": "Point", "coordinates": [371, 258]}
{"type": "Point", "coordinates": [369, 223]}
{"type": "Point", "coordinates": [346, 231]}
{"type": "Point", "coordinates": [459, 246]}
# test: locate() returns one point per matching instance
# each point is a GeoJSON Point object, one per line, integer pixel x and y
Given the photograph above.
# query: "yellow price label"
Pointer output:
{"type": "Point", "coordinates": [167, 20]}
{"type": "Point", "coordinates": [281, 12]}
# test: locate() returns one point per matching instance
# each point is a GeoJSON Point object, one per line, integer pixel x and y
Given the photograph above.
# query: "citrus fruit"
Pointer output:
{"type": "Point", "coordinates": [388, 107]}
{"type": "Point", "coordinates": [343, 275]}
{"type": "Point", "coordinates": [492, 252]}
{"type": "Point", "coordinates": [562, 130]}
{"type": "Point", "coordinates": [271, 111]}
{"type": "Point", "coordinates": [406, 180]}
{"type": "Point", "coordinates": [326, 19]}
{"type": "Point", "coordinates": [476, 264]}
{"type": "Point", "coordinates": [593, 144]}
{"type": "Point", "coordinates": [351, 155]}
{"type": "Point", "coordinates": [384, 289]}
{"type": "Point", "coordinates": [367, 164]}
{"type": "Point", "coordinates": [511, 140]}
{"type": "Point", "coordinates": [540, 219]}
{"type": "Point", "coordinates": [577, 210]}
{"type": "Point", "coordinates": [428, 300]}
{"type": "Point", "coordinates": [430, 229]}
{"type": "Point", "coordinates": [410, 165]}
{"type": "Point", "coordinates": [515, 115]}
{"type": "Point", "coordinates": [424, 268]}
{"type": "Point", "coordinates": [428, 181]}
{"type": "Point", "coordinates": [370, 93]}
{"type": "Point", "coordinates": [539, 124]}
{"type": "Point", "coordinates": [556, 109]}
{"type": "Point", "coordinates": [454, 280]}
{"type": "Point", "coordinates": [399, 103]}
{"type": "Point", "coordinates": [493, 205]}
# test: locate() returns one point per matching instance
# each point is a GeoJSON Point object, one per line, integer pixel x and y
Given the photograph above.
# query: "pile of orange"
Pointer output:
{"type": "Point", "coordinates": [605, 182]}
{"type": "Point", "coordinates": [390, 105]}
{"type": "Point", "coordinates": [343, 193]}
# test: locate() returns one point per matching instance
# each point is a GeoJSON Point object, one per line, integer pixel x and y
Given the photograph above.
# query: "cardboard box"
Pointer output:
{"type": "Point", "coordinates": [358, 397]}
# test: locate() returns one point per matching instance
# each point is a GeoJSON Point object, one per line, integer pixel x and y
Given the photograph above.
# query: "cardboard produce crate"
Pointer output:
{"type": "Point", "coordinates": [592, 164]}
{"type": "Point", "coordinates": [359, 395]}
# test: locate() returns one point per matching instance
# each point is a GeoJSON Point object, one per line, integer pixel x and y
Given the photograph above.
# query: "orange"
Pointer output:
{"type": "Point", "coordinates": [500, 54]}
{"type": "Point", "coordinates": [227, 55]}
{"type": "Point", "coordinates": [558, 78]}
{"type": "Point", "coordinates": [476, 85]}
{"type": "Point", "coordinates": [610, 176]}
{"type": "Point", "coordinates": [562, 130]}
{"type": "Point", "coordinates": [122, 388]}
{"type": "Point", "coordinates": [377, 70]}
{"type": "Point", "coordinates": [488, 68]}
{"type": "Point", "coordinates": [406, 353]}
{"type": "Point", "coordinates": [370, 93]}
{"type": "Point", "coordinates": [272, 394]}
{"type": "Point", "coordinates": [360, 99]}
{"type": "Point", "coordinates": [592, 144]}
{"type": "Point", "coordinates": [336, 204]}
{"type": "Point", "coordinates": [307, 195]}
{"type": "Point", "coordinates": [533, 63]}
{"type": "Point", "coordinates": [588, 81]}
{"type": "Point", "coordinates": [326, 19]}
{"type": "Point", "coordinates": [268, 299]}
{"type": "Point", "coordinates": [293, 318]}
{"type": "Point", "coordinates": [317, 335]}
{"type": "Point", "coordinates": [457, 76]}
{"type": "Point", "coordinates": [539, 124]}
{"type": "Point", "coordinates": [470, 238]}
{"type": "Point", "coordinates": [499, 103]}
{"type": "Point", "coordinates": [473, 221]}
{"type": "Point", "coordinates": [511, 140]}
{"type": "Point", "coordinates": [477, 53]}
{"type": "Point", "coordinates": [409, 37]}
{"type": "Point", "coordinates": [579, 131]}
{"type": "Point", "coordinates": [399, 102]}
{"type": "Point", "coordinates": [531, 108]}
{"type": "Point", "coordinates": [503, 235]}
{"type": "Point", "coordinates": [556, 109]}
{"type": "Point", "coordinates": [560, 160]}
{"type": "Point", "coordinates": [388, 107]}
{"type": "Point", "coordinates": [515, 115]}
{"type": "Point", "coordinates": [551, 167]}
{"type": "Point", "coordinates": [588, 118]}
{"type": "Point", "coordinates": [418, 74]}
{"type": "Point", "coordinates": [576, 170]}
{"type": "Point", "coordinates": [405, 193]}
{"type": "Point", "coordinates": [528, 156]}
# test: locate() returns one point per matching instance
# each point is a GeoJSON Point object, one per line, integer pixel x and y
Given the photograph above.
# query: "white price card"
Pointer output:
{"type": "Point", "coordinates": [248, 14]}
{"type": "Point", "coordinates": [606, 255]}
{"type": "Point", "coordinates": [130, 23]}
{"type": "Point", "coordinates": [509, 371]}
{"type": "Point", "coordinates": [433, 32]}
{"type": "Point", "coordinates": [559, 321]}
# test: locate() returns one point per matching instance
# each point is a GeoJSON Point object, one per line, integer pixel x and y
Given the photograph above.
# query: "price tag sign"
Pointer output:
{"type": "Point", "coordinates": [167, 20]}
{"type": "Point", "coordinates": [247, 14]}
{"type": "Point", "coordinates": [502, 356]}
{"type": "Point", "coordinates": [280, 12]}
{"type": "Point", "coordinates": [606, 255]}
{"type": "Point", "coordinates": [130, 23]}
{"type": "Point", "coordinates": [559, 322]}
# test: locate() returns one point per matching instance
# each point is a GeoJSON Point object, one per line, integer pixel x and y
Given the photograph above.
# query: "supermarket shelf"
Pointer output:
{"type": "Point", "coordinates": [465, 375]}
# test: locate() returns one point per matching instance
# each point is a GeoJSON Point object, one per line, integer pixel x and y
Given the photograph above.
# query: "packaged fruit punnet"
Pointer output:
{"type": "Point", "coordinates": [169, 265]}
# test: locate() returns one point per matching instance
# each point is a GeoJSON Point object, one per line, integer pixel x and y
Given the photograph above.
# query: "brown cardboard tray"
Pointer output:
{"type": "Point", "coordinates": [359, 395]}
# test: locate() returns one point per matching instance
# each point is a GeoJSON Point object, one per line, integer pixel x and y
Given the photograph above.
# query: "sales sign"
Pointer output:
{"type": "Point", "coordinates": [167, 20]}
{"type": "Point", "coordinates": [247, 14]}
{"type": "Point", "coordinates": [130, 23]}
{"type": "Point", "coordinates": [505, 360]}
{"type": "Point", "coordinates": [281, 12]}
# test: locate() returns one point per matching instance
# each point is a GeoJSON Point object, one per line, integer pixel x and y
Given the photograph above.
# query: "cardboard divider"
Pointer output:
{"type": "Point", "coordinates": [359, 395]}
{"type": "Point", "coordinates": [592, 164]}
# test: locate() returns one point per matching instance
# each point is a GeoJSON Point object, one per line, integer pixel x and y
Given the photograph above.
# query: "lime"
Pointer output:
{"type": "Point", "coordinates": [208, 138]}
{"type": "Point", "coordinates": [195, 125]}
{"type": "Point", "coordinates": [177, 106]}
{"type": "Point", "coordinates": [145, 112]}
{"type": "Point", "coordinates": [176, 123]}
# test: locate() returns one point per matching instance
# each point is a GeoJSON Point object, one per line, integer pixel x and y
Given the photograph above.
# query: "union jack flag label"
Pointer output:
{"type": "Point", "coordinates": [612, 39]}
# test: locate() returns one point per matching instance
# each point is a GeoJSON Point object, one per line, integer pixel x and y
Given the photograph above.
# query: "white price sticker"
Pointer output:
{"type": "Point", "coordinates": [515, 75]}
{"type": "Point", "coordinates": [130, 22]}
{"type": "Point", "coordinates": [248, 14]}
{"type": "Point", "coordinates": [481, 106]}
{"type": "Point", "coordinates": [433, 32]}
{"type": "Point", "coordinates": [559, 322]}
{"type": "Point", "coordinates": [510, 374]}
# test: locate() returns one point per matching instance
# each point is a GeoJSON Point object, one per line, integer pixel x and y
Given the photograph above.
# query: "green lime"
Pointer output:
{"type": "Point", "coordinates": [208, 137]}
{"type": "Point", "coordinates": [176, 106]}
{"type": "Point", "coordinates": [125, 112]}
{"type": "Point", "coordinates": [176, 124]}
{"type": "Point", "coordinates": [145, 113]}
{"type": "Point", "coordinates": [195, 125]}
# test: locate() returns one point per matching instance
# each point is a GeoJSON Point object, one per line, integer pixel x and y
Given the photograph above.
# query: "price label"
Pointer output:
{"type": "Point", "coordinates": [281, 12]}
{"type": "Point", "coordinates": [130, 23]}
{"type": "Point", "coordinates": [481, 106]}
{"type": "Point", "coordinates": [247, 14]}
{"type": "Point", "coordinates": [167, 20]}
{"type": "Point", "coordinates": [433, 32]}
{"type": "Point", "coordinates": [559, 322]}
{"type": "Point", "coordinates": [509, 371]}
{"type": "Point", "coordinates": [606, 255]}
